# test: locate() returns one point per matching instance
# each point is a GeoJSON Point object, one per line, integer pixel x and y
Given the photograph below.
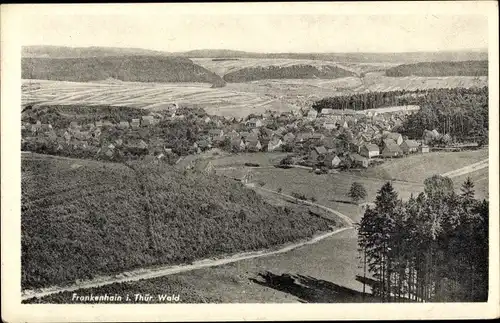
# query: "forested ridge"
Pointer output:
{"type": "Point", "coordinates": [86, 218]}
{"type": "Point", "coordinates": [463, 68]}
{"type": "Point", "coordinates": [432, 248]}
{"type": "Point", "coordinates": [125, 68]}
{"type": "Point", "coordinates": [298, 71]}
{"type": "Point", "coordinates": [460, 112]}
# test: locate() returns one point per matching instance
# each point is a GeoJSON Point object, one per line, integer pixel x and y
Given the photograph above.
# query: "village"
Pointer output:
{"type": "Point", "coordinates": [325, 140]}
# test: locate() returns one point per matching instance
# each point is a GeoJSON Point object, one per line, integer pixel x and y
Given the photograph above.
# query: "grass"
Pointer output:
{"type": "Point", "coordinates": [480, 178]}
{"type": "Point", "coordinates": [261, 158]}
{"type": "Point", "coordinates": [328, 189]}
{"type": "Point", "coordinates": [81, 219]}
{"type": "Point", "coordinates": [418, 167]}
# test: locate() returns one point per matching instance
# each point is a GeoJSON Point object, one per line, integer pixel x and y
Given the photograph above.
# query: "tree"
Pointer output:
{"type": "Point", "coordinates": [438, 186]}
{"type": "Point", "coordinates": [468, 189]}
{"type": "Point", "coordinates": [357, 192]}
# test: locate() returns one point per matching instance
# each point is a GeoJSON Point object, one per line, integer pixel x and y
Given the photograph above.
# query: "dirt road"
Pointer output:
{"type": "Point", "coordinates": [148, 273]}
{"type": "Point", "coordinates": [467, 169]}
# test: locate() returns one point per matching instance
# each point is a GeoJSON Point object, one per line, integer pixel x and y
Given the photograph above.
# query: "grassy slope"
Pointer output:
{"type": "Point", "coordinates": [417, 167]}
{"type": "Point", "coordinates": [464, 68]}
{"type": "Point", "coordinates": [124, 68]}
{"type": "Point", "coordinates": [84, 218]}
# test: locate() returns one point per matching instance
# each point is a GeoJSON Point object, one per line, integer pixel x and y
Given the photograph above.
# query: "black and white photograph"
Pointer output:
{"type": "Point", "coordinates": [217, 153]}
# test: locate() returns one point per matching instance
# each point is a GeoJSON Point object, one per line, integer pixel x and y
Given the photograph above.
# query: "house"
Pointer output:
{"type": "Point", "coordinates": [253, 144]}
{"type": "Point", "coordinates": [289, 137]}
{"type": "Point", "coordinates": [98, 124]}
{"type": "Point", "coordinates": [409, 146]}
{"type": "Point", "coordinates": [312, 114]}
{"type": "Point", "coordinates": [369, 150]}
{"type": "Point", "coordinates": [216, 133]}
{"type": "Point", "coordinates": [123, 125]}
{"type": "Point", "coordinates": [359, 160]}
{"type": "Point", "coordinates": [135, 123]}
{"type": "Point", "coordinates": [391, 150]}
{"type": "Point", "coordinates": [386, 142]}
{"type": "Point", "coordinates": [254, 123]}
{"type": "Point", "coordinates": [244, 135]}
{"type": "Point", "coordinates": [119, 142]}
{"type": "Point", "coordinates": [107, 123]}
{"type": "Point", "coordinates": [67, 136]}
{"type": "Point", "coordinates": [397, 137]}
{"type": "Point", "coordinates": [237, 144]}
{"type": "Point", "coordinates": [303, 136]}
{"type": "Point", "coordinates": [318, 153]}
{"type": "Point", "coordinates": [326, 111]}
{"type": "Point", "coordinates": [203, 145]}
{"type": "Point", "coordinates": [149, 120]}
{"type": "Point", "coordinates": [233, 135]}
{"type": "Point", "coordinates": [207, 120]}
{"type": "Point", "coordinates": [332, 160]}
{"type": "Point", "coordinates": [73, 124]}
{"type": "Point", "coordinates": [423, 148]}
{"type": "Point", "coordinates": [330, 124]}
{"type": "Point", "coordinates": [316, 137]}
{"type": "Point", "coordinates": [274, 144]}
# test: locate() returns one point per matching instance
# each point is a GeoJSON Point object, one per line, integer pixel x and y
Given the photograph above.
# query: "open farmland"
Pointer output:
{"type": "Point", "coordinates": [416, 168]}
{"type": "Point", "coordinates": [480, 178]}
{"type": "Point", "coordinates": [219, 101]}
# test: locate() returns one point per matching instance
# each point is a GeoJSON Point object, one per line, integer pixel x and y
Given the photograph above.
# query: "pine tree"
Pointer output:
{"type": "Point", "coordinates": [357, 192]}
{"type": "Point", "coordinates": [468, 189]}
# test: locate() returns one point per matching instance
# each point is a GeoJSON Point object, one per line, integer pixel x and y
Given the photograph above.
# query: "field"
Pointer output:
{"type": "Point", "coordinates": [236, 99]}
{"type": "Point", "coordinates": [416, 168]}
{"type": "Point", "coordinates": [480, 178]}
{"type": "Point", "coordinates": [112, 218]}
{"type": "Point", "coordinates": [219, 101]}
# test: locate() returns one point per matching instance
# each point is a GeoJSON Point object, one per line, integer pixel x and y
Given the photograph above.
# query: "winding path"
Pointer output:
{"type": "Point", "coordinates": [148, 273]}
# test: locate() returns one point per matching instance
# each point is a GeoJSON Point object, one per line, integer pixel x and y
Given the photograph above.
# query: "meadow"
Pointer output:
{"type": "Point", "coordinates": [417, 167]}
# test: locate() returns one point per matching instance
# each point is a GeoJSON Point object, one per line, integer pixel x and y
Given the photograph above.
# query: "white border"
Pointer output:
{"type": "Point", "coordinates": [12, 310]}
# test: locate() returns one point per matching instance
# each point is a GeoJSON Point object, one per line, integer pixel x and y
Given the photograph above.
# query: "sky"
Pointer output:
{"type": "Point", "coordinates": [257, 32]}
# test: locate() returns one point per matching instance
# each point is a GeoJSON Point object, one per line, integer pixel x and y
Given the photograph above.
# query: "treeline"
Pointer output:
{"type": "Point", "coordinates": [105, 218]}
{"type": "Point", "coordinates": [464, 68]}
{"type": "Point", "coordinates": [124, 68]}
{"type": "Point", "coordinates": [373, 100]}
{"type": "Point", "coordinates": [432, 248]}
{"type": "Point", "coordinates": [286, 72]}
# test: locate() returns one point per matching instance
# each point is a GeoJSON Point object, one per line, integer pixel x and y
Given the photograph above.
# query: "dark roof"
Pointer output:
{"type": "Point", "coordinates": [371, 147]}
{"type": "Point", "coordinates": [392, 148]}
{"type": "Point", "coordinates": [411, 143]}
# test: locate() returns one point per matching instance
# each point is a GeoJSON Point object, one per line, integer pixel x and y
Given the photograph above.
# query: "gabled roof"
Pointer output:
{"type": "Point", "coordinates": [320, 150]}
{"type": "Point", "coordinates": [411, 143]}
{"type": "Point", "coordinates": [388, 142]}
{"type": "Point", "coordinates": [371, 147]}
{"type": "Point", "coordinates": [357, 157]}
{"type": "Point", "coordinates": [392, 148]}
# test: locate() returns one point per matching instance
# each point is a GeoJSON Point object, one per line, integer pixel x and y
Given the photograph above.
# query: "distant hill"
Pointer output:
{"type": "Point", "coordinates": [410, 57]}
{"type": "Point", "coordinates": [78, 52]}
{"type": "Point", "coordinates": [463, 68]}
{"type": "Point", "coordinates": [124, 68]}
{"type": "Point", "coordinates": [286, 72]}
{"type": "Point", "coordinates": [82, 218]}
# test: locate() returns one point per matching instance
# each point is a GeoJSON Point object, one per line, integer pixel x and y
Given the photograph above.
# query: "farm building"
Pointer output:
{"type": "Point", "coordinates": [274, 144]}
{"type": "Point", "coordinates": [369, 150]}
{"type": "Point", "coordinates": [391, 150]}
{"type": "Point", "coordinates": [98, 124]}
{"type": "Point", "coordinates": [423, 148]}
{"type": "Point", "coordinates": [254, 123]}
{"type": "Point", "coordinates": [409, 146]}
{"type": "Point", "coordinates": [359, 160]}
{"type": "Point", "coordinates": [332, 161]}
